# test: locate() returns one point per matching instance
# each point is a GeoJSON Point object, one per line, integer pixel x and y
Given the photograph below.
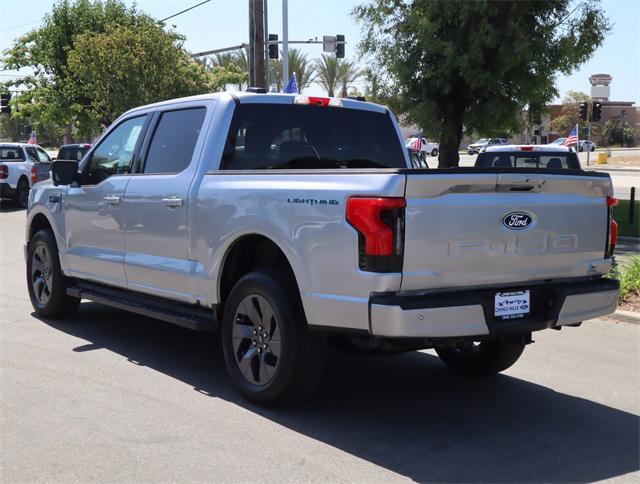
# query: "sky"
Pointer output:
{"type": "Point", "coordinates": [222, 23]}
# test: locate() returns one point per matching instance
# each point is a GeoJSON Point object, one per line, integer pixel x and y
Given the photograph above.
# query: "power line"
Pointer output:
{"type": "Point", "coordinates": [18, 26]}
{"type": "Point", "coordinates": [185, 10]}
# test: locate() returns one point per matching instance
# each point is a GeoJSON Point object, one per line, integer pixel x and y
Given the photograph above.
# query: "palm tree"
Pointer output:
{"type": "Point", "coordinates": [349, 73]}
{"type": "Point", "coordinates": [328, 69]}
{"type": "Point", "coordinates": [298, 63]}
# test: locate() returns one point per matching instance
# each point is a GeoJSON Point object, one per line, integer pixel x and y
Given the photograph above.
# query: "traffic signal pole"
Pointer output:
{"type": "Point", "coordinates": [285, 42]}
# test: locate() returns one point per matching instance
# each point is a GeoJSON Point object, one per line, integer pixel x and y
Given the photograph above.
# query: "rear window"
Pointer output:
{"type": "Point", "coordinates": [72, 153]}
{"type": "Point", "coordinates": [529, 159]}
{"type": "Point", "coordinates": [11, 154]}
{"type": "Point", "coordinates": [284, 136]}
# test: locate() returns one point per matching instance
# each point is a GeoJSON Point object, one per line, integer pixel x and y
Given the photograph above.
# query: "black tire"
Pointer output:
{"type": "Point", "coordinates": [593, 148]}
{"type": "Point", "coordinates": [46, 283]}
{"type": "Point", "coordinates": [297, 368]}
{"type": "Point", "coordinates": [434, 152]}
{"type": "Point", "coordinates": [21, 196]}
{"type": "Point", "coordinates": [484, 358]}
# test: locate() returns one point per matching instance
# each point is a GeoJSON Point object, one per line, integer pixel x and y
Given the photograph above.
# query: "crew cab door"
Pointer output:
{"type": "Point", "coordinates": [157, 208]}
{"type": "Point", "coordinates": [93, 211]}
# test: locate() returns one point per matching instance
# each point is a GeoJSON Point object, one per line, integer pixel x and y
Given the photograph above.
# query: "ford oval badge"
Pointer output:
{"type": "Point", "coordinates": [517, 220]}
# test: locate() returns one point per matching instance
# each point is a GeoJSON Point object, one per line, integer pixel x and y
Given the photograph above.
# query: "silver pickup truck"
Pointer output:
{"type": "Point", "coordinates": [290, 222]}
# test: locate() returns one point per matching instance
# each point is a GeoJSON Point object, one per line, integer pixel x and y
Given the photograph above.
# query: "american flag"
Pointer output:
{"type": "Point", "coordinates": [417, 143]}
{"type": "Point", "coordinates": [292, 85]}
{"type": "Point", "coordinates": [572, 139]}
{"type": "Point", "coordinates": [33, 139]}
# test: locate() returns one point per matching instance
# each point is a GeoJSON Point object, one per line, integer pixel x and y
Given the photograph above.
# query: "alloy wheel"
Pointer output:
{"type": "Point", "coordinates": [41, 274]}
{"type": "Point", "coordinates": [256, 340]}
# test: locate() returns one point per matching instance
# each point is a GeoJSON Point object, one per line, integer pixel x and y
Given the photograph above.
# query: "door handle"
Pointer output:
{"type": "Point", "coordinates": [172, 202]}
{"type": "Point", "coordinates": [112, 200]}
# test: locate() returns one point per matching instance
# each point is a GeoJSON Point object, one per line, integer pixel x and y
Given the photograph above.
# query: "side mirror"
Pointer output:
{"type": "Point", "coordinates": [64, 172]}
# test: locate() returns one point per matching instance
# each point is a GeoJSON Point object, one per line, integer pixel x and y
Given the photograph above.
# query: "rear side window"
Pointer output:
{"type": "Point", "coordinates": [11, 154]}
{"type": "Point", "coordinates": [174, 141]}
{"type": "Point", "coordinates": [289, 136]}
{"type": "Point", "coordinates": [529, 159]}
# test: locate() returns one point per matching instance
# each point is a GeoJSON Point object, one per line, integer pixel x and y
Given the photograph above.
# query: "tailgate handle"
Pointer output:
{"type": "Point", "coordinates": [519, 183]}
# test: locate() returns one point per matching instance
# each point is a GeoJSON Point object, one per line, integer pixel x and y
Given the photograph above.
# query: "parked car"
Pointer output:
{"type": "Point", "coordinates": [529, 157]}
{"type": "Point", "coordinates": [21, 165]}
{"type": "Point", "coordinates": [474, 148]}
{"type": "Point", "coordinates": [290, 221]}
{"type": "Point", "coordinates": [587, 145]}
{"type": "Point", "coordinates": [73, 151]}
{"type": "Point", "coordinates": [428, 147]}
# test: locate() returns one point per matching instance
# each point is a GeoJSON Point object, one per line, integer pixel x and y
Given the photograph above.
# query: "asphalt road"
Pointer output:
{"type": "Point", "coordinates": [109, 396]}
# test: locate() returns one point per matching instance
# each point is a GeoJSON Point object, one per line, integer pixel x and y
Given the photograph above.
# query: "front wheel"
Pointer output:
{"type": "Point", "coordinates": [434, 152]}
{"type": "Point", "coordinates": [269, 351]}
{"type": "Point", "coordinates": [481, 358]}
{"type": "Point", "coordinates": [46, 283]}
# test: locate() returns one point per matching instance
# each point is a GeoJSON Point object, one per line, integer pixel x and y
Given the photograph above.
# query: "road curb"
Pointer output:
{"type": "Point", "coordinates": [626, 316]}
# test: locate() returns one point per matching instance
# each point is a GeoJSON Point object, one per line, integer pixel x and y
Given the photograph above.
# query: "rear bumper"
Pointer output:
{"type": "Point", "coordinates": [447, 314]}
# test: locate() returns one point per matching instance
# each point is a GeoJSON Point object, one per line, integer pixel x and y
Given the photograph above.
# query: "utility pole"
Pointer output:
{"type": "Point", "coordinates": [285, 42]}
{"type": "Point", "coordinates": [257, 77]}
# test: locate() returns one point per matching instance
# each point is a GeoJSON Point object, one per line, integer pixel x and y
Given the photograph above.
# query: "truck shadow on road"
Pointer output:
{"type": "Point", "coordinates": [405, 413]}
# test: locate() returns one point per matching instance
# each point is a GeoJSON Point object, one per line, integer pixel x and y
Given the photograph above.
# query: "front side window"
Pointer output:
{"type": "Point", "coordinates": [174, 141]}
{"type": "Point", "coordinates": [42, 155]}
{"type": "Point", "coordinates": [289, 136]}
{"type": "Point", "coordinates": [114, 154]}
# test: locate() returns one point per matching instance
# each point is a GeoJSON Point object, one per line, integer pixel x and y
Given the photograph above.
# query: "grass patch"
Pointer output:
{"type": "Point", "coordinates": [628, 273]}
{"type": "Point", "coordinates": [621, 215]}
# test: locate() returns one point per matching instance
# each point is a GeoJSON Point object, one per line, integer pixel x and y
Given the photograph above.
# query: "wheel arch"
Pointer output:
{"type": "Point", "coordinates": [248, 253]}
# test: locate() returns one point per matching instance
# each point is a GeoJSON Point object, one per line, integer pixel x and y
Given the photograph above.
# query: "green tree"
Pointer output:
{"type": "Point", "coordinates": [128, 66]}
{"type": "Point", "coordinates": [618, 132]}
{"type": "Point", "coordinates": [328, 72]}
{"type": "Point", "coordinates": [349, 73]}
{"type": "Point", "coordinates": [298, 63]}
{"type": "Point", "coordinates": [474, 65]}
{"type": "Point", "coordinates": [570, 112]}
{"type": "Point", "coordinates": [45, 50]}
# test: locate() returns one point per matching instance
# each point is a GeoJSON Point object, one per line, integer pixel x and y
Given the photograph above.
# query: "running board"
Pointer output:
{"type": "Point", "coordinates": [193, 317]}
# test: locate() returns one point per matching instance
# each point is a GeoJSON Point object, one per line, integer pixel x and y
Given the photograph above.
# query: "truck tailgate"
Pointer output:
{"type": "Point", "coordinates": [481, 227]}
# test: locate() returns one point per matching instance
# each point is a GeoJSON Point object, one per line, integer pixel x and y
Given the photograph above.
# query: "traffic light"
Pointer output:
{"type": "Point", "coordinates": [273, 48]}
{"type": "Point", "coordinates": [583, 111]}
{"type": "Point", "coordinates": [597, 112]}
{"type": "Point", "coordinates": [5, 108]}
{"type": "Point", "coordinates": [340, 46]}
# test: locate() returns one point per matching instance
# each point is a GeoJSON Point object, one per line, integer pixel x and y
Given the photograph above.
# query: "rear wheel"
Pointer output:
{"type": "Point", "coordinates": [482, 358]}
{"type": "Point", "coordinates": [434, 152]}
{"type": "Point", "coordinates": [21, 197]}
{"type": "Point", "coordinates": [46, 283]}
{"type": "Point", "coordinates": [269, 351]}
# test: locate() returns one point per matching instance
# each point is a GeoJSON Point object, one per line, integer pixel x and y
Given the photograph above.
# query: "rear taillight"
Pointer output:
{"type": "Point", "coordinates": [318, 101]}
{"type": "Point", "coordinates": [380, 226]}
{"type": "Point", "coordinates": [612, 227]}
{"type": "Point", "coordinates": [34, 174]}
{"type": "Point", "coordinates": [4, 172]}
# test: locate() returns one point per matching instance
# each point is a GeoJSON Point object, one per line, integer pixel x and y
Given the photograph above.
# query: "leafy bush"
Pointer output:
{"type": "Point", "coordinates": [628, 273]}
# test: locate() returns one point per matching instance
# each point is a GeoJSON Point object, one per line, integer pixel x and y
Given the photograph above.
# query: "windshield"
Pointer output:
{"type": "Point", "coordinates": [13, 153]}
{"type": "Point", "coordinates": [529, 159]}
{"type": "Point", "coordinates": [559, 141]}
{"type": "Point", "coordinates": [289, 136]}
